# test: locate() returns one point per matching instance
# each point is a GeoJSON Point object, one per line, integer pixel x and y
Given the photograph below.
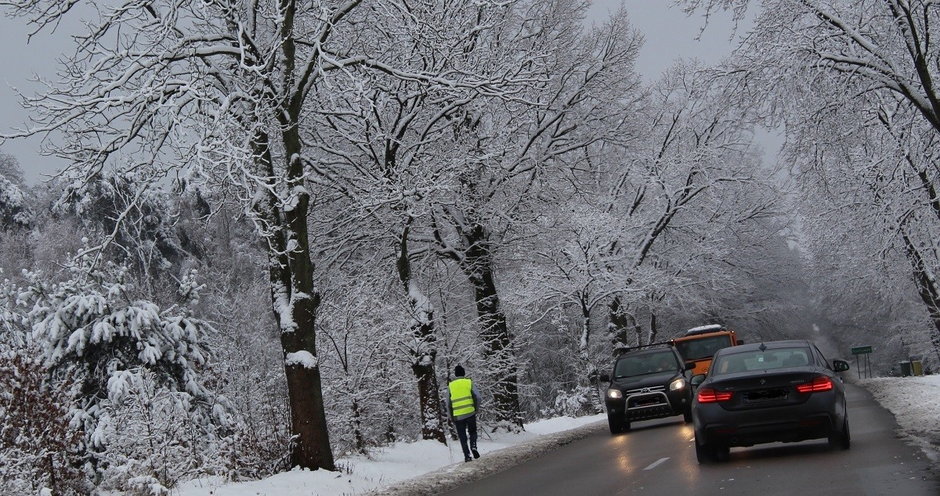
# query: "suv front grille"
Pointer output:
{"type": "Point", "coordinates": [647, 403]}
{"type": "Point", "coordinates": [651, 389]}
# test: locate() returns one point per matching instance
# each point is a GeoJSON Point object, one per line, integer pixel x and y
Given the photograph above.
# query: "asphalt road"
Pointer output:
{"type": "Point", "coordinates": [657, 457]}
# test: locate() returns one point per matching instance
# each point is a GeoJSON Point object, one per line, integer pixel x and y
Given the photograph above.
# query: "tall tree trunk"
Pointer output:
{"type": "Point", "coordinates": [620, 325]}
{"type": "Point", "coordinates": [424, 352]}
{"type": "Point", "coordinates": [477, 264]}
{"type": "Point", "coordinates": [654, 329]}
{"type": "Point", "coordinates": [295, 302]}
{"type": "Point", "coordinates": [591, 375]}
{"type": "Point", "coordinates": [926, 288]}
{"type": "Point", "coordinates": [357, 428]}
{"type": "Point", "coordinates": [388, 418]}
{"type": "Point", "coordinates": [584, 343]}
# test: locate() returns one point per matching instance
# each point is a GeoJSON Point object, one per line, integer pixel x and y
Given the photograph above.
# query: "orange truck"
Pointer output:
{"type": "Point", "coordinates": [699, 345]}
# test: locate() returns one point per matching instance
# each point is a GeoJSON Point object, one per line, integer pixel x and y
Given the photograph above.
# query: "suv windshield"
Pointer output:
{"type": "Point", "coordinates": [647, 363]}
{"type": "Point", "coordinates": [695, 349]}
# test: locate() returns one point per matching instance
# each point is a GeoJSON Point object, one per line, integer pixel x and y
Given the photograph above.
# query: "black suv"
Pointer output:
{"type": "Point", "coordinates": [647, 384]}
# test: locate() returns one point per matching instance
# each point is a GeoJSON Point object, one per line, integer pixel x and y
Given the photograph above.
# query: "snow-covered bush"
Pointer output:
{"type": "Point", "coordinates": [153, 437]}
{"type": "Point", "coordinates": [258, 445]}
{"type": "Point", "coordinates": [38, 447]}
{"type": "Point", "coordinates": [367, 349]}
{"type": "Point", "coordinates": [247, 366]}
{"type": "Point", "coordinates": [577, 402]}
{"type": "Point", "coordinates": [139, 398]}
{"type": "Point", "coordinates": [250, 373]}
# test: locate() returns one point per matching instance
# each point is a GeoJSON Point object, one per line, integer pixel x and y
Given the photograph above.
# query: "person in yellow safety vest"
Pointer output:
{"type": "Point", "coordinates": [463, 404]}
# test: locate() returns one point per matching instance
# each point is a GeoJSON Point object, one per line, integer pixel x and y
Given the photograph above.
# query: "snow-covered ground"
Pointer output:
{"type": "Point", "coordinates": [411, 467]}
{"type": "Point", "coordinates": [401, 461]}
{"type": "Point", "coordinates": [915, 402]}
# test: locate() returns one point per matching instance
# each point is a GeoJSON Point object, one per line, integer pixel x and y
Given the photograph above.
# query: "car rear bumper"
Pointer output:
{"type": "Point", "coordinates": [811, 420]}
{"type": "Point", "coordinates": [811, 427]}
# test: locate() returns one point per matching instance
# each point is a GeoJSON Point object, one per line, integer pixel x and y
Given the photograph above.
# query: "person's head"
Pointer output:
{"type": "Point", "coordinates": [459, 371]}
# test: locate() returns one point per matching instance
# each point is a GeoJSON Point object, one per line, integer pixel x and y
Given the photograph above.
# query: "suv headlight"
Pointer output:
{"type": "Point", "coordinates": [677, 384]}
{"type": "Point", "coordinates": [614, 394]}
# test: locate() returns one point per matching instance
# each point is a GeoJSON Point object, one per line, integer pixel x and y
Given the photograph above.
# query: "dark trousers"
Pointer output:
{"type": "Point", "coordinates": [463, 425]}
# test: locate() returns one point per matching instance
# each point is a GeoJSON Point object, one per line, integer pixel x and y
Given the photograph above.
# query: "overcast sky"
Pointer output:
{"type": "Point", "coordinates": [669, 34]}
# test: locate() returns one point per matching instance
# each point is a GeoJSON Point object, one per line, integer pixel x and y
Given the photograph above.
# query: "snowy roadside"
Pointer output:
{"type": "Point", "coordinates": [423, 467]}
{"type": "Point", "coordinates": [915, 403]}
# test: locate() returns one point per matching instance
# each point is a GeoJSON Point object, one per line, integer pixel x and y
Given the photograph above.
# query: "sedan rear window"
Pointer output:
{"type": "Point", "coordinates": [761, 360]}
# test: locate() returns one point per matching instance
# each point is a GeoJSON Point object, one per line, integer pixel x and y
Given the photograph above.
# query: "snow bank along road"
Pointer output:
{"type": "Point", "coordinates": [657, 457]}
{"type": "Point", "coordinates": [915, 401]}
{"type": "Point", "coordinates": [453, 476]}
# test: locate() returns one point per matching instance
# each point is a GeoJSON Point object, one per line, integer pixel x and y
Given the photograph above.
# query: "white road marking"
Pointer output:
{"type": "Point", "coordinates": [656, 463]}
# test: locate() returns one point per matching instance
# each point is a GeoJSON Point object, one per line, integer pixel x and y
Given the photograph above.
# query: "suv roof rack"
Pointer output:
{"type": "Point", "coordinates": [621, 351]}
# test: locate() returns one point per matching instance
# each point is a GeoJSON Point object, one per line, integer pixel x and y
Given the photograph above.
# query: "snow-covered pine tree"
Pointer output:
{"type": "Point", "coordinates": [135, 368]}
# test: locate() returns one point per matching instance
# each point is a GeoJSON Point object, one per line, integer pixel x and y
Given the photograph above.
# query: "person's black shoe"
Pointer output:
{"type": "Point", "coordinates": [467, 459]}
{"type": "Point", "coordinates": [476, 454]}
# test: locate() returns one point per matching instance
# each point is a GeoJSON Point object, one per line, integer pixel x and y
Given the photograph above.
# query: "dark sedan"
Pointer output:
{"type": "Point", "coordinates": [768, 392]}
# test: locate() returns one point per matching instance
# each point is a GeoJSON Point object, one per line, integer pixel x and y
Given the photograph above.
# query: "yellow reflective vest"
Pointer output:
{"type": "Point", "coordinates": [461, 397]}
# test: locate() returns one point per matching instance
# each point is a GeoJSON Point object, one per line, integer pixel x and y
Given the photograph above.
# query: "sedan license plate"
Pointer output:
{"type": "Point", "coordinates": [777, 394]}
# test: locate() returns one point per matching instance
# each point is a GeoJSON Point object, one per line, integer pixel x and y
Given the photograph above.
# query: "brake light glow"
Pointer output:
{"type": "Point", "coordinates": [709, 395]}
{"type": "Point", "coordinates": [821, 383]}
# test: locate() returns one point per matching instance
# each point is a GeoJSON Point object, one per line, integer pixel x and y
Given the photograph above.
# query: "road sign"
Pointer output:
{"type": "Point", "coordinates": [862, 350]}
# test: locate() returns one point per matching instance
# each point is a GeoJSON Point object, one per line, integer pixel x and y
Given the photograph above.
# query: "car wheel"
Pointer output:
{"type": "Point", "coordinates": [842, 438]}
{"type": "Point", "coordinates": [687, 415]}
{"type": "Point", "coordinates": [615, 424]}
{"type": "Point", "coordinates": [722, 453]}
{"type": "Point", "coordinates": [626, 426]}
{"type": "Point", "coordinates": [704, 453]}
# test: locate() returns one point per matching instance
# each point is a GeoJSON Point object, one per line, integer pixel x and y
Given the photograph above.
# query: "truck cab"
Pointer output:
{"type": "Point", "coordinates": [699, 344]}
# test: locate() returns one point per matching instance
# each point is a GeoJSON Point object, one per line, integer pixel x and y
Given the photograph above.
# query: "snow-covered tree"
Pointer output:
{"type": "Point", "coordinates": [90, 329]}
{"type": "Point", "coordinates": [14, 211]}
{"type": "Point", "coordinates": [508, 150]}
{"type": "Point", "coordinates": [11, 170]}
{"type": "Point", "coordinates": [131, 217]}
{"type": "Point", "coordinates": [674, 194]}
{"type": "Point", "coordinates": [379, 149]}
{"type": "Point", "coordinates": [855, 85]}
{"type": "Point", "coordinates": [218, 92]}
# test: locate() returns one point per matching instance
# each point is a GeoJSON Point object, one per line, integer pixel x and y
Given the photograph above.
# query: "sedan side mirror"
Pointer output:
{"type": "Point", "coordinates": [605, 378]}
{"type": "Point", "coordinates": [697, 379]}
{"type": "Point", "coordinates": [840, 365]}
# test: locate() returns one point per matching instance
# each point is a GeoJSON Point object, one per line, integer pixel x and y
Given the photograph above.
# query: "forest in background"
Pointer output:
{"type": "Point", "coordinates": [284, 223]}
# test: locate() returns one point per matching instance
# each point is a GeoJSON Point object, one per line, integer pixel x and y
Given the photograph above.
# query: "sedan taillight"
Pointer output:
{"type": "Point", "coordinates": [709, 395]}
{"type": "Point", "coordinates": [821, 383]}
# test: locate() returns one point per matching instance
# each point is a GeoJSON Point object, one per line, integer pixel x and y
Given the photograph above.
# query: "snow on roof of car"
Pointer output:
{"type": "Point", "coordinates": [709, 327]}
